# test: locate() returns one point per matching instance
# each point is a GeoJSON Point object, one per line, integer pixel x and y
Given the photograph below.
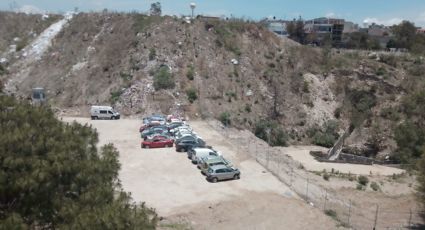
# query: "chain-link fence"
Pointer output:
{"type": "Point", "coordinates": [347, 212]}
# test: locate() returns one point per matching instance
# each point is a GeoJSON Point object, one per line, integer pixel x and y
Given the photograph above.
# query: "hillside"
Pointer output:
{"type": "Point", "coordinates": [312, 94]}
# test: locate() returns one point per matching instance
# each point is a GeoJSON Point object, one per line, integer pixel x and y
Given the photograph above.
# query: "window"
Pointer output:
{"type": "Point", "coordinates": [220, 171]}
{"type": "Point", "coordinates": [110, 112]}
{"type": "Point", "coordinates": [103, 112]}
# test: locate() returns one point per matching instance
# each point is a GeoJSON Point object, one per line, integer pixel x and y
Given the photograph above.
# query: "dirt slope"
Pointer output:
{"type": "Point", "coordinates": [110, 58]}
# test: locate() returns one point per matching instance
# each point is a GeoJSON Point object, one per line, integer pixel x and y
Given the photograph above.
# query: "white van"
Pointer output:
{"type": "Point", "coordinates": [199, 153]}
{"type": "Point", "coordinates": [103, 112]}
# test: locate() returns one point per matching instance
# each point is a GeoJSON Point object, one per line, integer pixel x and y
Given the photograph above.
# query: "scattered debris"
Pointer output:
{"type": "Point", "coordinates": [249, 93]}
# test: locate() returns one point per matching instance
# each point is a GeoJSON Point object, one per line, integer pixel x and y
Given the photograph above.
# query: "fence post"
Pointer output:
{"type": "Point", "coordinates": [268, 157]}
{"type": "Point", "coordinates": [376, 217]}
{"type": "Point", "coordinates": [292, 174]}
{"type": "Point", "coordinates": [306, 192]}
{"type": "Point", "coordinates": [349, 213]}
{"type": "Point", "coordinates": [279, 163]}
{"type": "Point", "coordinates": [326, 198]}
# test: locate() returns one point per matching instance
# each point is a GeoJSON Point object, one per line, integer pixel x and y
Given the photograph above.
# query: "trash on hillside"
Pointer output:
{"type": "Point", "coordinates": [234, 61]}
{"type": "Point", "coordinates": [249, 93]}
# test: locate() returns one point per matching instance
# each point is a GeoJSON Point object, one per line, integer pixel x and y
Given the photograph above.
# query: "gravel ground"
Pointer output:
{"type": "Point", "coordinates": [169, 182]}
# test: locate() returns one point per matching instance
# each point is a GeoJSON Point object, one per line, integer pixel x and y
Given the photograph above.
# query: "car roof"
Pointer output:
{"type": "Point", "coordinates": [215, 167]}
{"type": "Point", "coordinates": [203, 150]}
{"type": "Point", "coordinates": [213, 159]}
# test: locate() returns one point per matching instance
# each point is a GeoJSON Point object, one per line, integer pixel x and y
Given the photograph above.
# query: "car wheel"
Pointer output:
{"type": "Point", "coordinates": [170, 145]}
{"type": "Point", "coordinates": [143, 146]}
{"type": "Point", "coordinates": [236, 177]}
{"type": "Point", "coordinates": [147, 146]}
{"type": "Point", "coordinates": [94, 118]}
{"type": "Point", "coordinates": [214, 180]}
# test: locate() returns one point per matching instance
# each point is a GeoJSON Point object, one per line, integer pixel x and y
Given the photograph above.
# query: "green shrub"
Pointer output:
{"type": "Point", "coordinates": [359, 187]}
{"type": "Point", "coordinates": [325, 136]}
{"type": "Point", "coordinates": [225, 118]}
{"type": "Point", "coordinates": [21, 44]}
{"type": "Point", "coordinates": [226, 37]}
{"type": "Point", "coordinates": [142, 21]}
{"type": "Point", "coordinates": [163, 79]}
{"type": "Point", "coordinates": [115, 96]}
{"type": "Point", "coordinates": [248, 108]}
{"type": "Point", "coordinates": [331, 213]}
{"type": "Point", "coordinates": [416, 70]}
{"type": "Point", "coordinates": [306, 88]}
{"type": "Point", "coordinates": [191, 95]}
{"type": "Point", "coordinates": [361, 102]}
{"type": "Point", "coordinates": [270, 132]}
{"type": "Point", "coordinates": [152, 54]}
{"type": "Point", "coordinates": [380, 71]}
{"type": "Point", "coordinates": [375, 186]}
{"type": "Point", "coordinates": [326, 176]}
{"type": "Point", "coordinates": [2, 70]}
{"type": "Point", "coordinates": [324, 139]}
{"type": "Point", "coordinates": [190, 73]}
{"type": "Point", "coordinates": [390, 113]}
{"type": "Point", "coordinates": [337, 112]}
{"type": "Point", "coordinates": [363, 180]}
{"type": "Point", "coordinates": [389, 60]}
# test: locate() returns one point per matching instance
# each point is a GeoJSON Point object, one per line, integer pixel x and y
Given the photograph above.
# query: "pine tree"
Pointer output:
{"type": "Point", "coordinates": [53, 176]}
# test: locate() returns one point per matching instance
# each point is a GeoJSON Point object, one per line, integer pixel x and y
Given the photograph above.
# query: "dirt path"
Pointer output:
{"type": "Point", "coordinates": [167, 181]}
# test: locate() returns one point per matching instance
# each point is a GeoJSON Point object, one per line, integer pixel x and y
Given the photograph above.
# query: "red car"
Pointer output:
{"type": "Point", "coordinates": [158, 142]}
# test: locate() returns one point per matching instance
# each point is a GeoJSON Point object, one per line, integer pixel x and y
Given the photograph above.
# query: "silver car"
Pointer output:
{"type": "Point", "coordinates": [222, 172]}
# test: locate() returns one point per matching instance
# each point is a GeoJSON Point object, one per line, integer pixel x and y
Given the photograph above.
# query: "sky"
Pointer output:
{"type": "Point", "coordinates": [387, 12]}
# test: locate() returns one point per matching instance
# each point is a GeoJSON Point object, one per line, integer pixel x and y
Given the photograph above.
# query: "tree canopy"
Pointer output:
{"type": "Point", "coordinates": [296, 30]}
{"type": "Point", "coordinates": [156, 9]}
{"type": "Point", "coordinates": [53, 176]}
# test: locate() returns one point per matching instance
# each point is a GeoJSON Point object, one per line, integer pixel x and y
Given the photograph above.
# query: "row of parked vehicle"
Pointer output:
{"type": "Point", "coordinates": [160, 131]}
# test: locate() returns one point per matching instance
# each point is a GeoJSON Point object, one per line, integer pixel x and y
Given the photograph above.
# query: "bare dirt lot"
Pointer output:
{"type": "Point", "coordinates": [169, 182]}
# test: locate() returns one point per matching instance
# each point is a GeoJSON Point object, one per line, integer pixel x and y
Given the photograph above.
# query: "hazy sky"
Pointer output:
{"type": "Point", "coordinates": [380, 11]}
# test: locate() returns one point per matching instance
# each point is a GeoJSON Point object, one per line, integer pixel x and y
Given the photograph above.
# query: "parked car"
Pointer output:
{"type": "Point", "coordinates": [158, 117]}
{"type": "Point", "coordinates": [149, 125]}
{"type": "Point", "coordinates": [199, 153]}
{"type": "Point", "coordinates": [182, 129]}
{"type": "Point", "coordinates": [185, 136]}
{"type": "Point", "coordinates": [157, 142]}
{"type": "Point", "coordinates": [174, 125]}
{"type": "Point", "coordinates": [103, 112]}
{"type": "Point", "coordinates": [158, 134]}
{"type": "Point", "coordinates": [222, 172]}
{"type": "Point", "coordinates": [184, 145]}
{"type": "Point", "coordinates": [207, 162]}
{"type": "Point", "coordinates": [152, 130]}
{"type": "Point", "coordinates": [191, 151]}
